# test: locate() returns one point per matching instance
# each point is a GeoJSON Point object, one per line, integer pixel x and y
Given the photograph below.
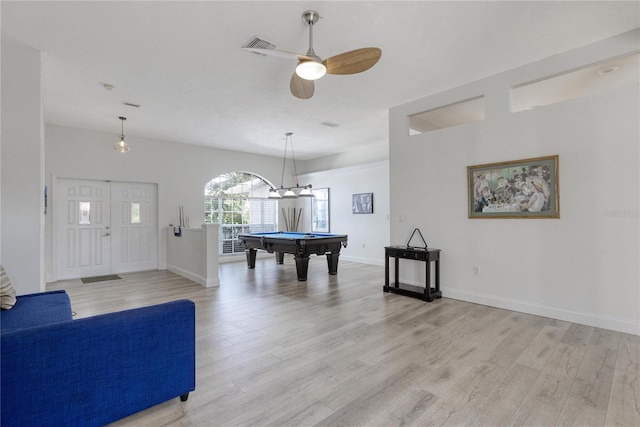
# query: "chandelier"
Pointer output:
{"type": "Point", "coordinates": [289, 192]}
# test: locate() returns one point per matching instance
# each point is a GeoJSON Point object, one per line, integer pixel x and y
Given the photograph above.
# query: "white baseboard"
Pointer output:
{"type": "Point", "coordinates": [213, 282]}
{"type": "Point", "coordinates": [222, 259]}
{"type": "Point", "coordinates": [362, 260]}
{"type": "Point", "coordinates": [590, 319]}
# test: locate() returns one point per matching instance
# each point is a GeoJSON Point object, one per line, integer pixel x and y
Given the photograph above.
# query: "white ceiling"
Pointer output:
{"type": "Point", "coordinates": [182, 62]}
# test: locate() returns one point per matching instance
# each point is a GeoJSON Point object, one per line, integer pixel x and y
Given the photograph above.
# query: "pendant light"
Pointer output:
{"type": "Point", "coordinates": [290, 192]}
{"type": "Point", "coordinates": [306, 192]}
{"type": "Point", "coordinates": [122, 146]}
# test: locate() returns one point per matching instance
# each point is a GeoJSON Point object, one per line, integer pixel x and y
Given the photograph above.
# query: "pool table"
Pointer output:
{"type": "Point", "coordinates": [301, 245]}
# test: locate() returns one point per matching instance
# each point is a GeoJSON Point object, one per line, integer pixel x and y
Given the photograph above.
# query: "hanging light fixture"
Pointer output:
{"type": "Point", "coordinates": [311, 69]}
{"type": "Point", "coordinates": [306, 192]}
{"type": "Point", "coordinates": [122, 146]}
{"type": "Point", "coordinates": [314, 68]}
{"type": "Point", "coordinates": [290, 192]}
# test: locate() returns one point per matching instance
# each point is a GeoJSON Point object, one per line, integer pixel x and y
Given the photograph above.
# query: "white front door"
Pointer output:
{"type": "Point", "coordinates": [104, 227]}
{"type": "Point", "coordinates": [83, 228]}
{"type": "Point", "coordinates": [134, 227]}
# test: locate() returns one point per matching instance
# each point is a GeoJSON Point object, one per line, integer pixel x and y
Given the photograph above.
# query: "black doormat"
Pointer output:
{"type": "Point", "coordinates": [100, 278]}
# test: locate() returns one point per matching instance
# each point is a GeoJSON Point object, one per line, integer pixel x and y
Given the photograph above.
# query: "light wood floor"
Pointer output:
{"type": "Point", "coordinates": [336, 350]}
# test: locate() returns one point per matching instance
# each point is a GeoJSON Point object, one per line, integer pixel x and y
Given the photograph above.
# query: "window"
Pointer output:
{"type": "Point", "coordinates": [239, 202]}
{"type": "Point", "coordinates": [135, 212]}
{"type": "Point", "coordinates": [320, 210]}
{"type": "Point", "coordinates": [85, 213]}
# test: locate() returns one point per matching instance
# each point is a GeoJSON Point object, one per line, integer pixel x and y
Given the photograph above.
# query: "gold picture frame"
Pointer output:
{"type": "Point", "coordinates": [526, 188]}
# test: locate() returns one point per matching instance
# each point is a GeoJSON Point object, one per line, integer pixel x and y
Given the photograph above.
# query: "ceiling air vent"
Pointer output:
{"type": "Point", "coordinates": [330, 124]}
{"type": "Point", "coordinates": [260, 44]}
{"type": "Point", "coordinates": [131, 104]}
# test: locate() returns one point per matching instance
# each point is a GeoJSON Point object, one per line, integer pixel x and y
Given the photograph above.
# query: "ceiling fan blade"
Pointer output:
{"type": "Point", "coordinates": [352, 62]}
{"type": "Point", "coordinates": [301, 88]}
{"type": "Point", "coordinates": [278, 53]}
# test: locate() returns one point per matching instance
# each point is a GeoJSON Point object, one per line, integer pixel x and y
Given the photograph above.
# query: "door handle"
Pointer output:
{"type": "Point", "coordinates": [107, 234]}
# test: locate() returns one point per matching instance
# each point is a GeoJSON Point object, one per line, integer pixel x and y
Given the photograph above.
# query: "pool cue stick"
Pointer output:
{"type": "Point", "coordinates": [284, 217]}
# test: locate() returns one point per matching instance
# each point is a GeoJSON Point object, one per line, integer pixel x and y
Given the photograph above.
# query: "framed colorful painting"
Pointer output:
{"type": "Point", "coordinates": [525, 188]}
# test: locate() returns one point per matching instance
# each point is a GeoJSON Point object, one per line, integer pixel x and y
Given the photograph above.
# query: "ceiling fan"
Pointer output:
{"type": "Point", "coordinates": [311, 67]}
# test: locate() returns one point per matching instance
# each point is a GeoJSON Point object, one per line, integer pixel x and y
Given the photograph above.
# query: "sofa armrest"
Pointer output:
{"type": "Point", "coordinates": [99, 369]}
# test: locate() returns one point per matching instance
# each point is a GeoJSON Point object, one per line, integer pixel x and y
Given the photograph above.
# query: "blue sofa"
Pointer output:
{"type": "Point", "coordinates": [56, 371]}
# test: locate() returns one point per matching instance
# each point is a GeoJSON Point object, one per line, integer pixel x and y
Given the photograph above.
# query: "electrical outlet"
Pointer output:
{"type": "Point", "coordinates": [476, 270]}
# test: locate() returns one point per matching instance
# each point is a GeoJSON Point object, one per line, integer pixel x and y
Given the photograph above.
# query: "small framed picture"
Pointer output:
{"type": "Point", "coordinates": [362, 203]}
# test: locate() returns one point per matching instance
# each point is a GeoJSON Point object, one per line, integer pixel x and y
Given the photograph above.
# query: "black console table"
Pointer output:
{"type": "Point", "coordinates": [427, 255]}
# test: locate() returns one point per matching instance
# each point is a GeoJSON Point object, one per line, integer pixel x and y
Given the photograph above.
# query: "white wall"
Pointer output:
{"type": "Point", "coordinates": [180, 170]}
{"type": "Point", "coordinates": [377, 152]}
{"type": "Point", "coordinates": [368, 233]}
{"type": "Point", "coordinates": [22, 229]}
{"type": "Point", "coordinates": [194, 253]}
{"type": "Point", "coordinates": [582, 267]}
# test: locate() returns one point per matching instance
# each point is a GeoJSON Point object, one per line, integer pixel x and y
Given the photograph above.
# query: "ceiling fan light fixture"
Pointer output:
{"type": "Point", "coordinates": [311, 70]}
{"type": "Point", "coordinates": [311, 67]}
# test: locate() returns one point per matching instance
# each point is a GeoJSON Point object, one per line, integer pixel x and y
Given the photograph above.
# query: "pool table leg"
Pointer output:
{"type": "Point", "coordinates": [302, 266]}
{"type": "Point", "coordinates": [251, 257]}
{"type": "Point", "coordinates": [280, 257]}
{"type": "Point", "coordinates": [332, 262]}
